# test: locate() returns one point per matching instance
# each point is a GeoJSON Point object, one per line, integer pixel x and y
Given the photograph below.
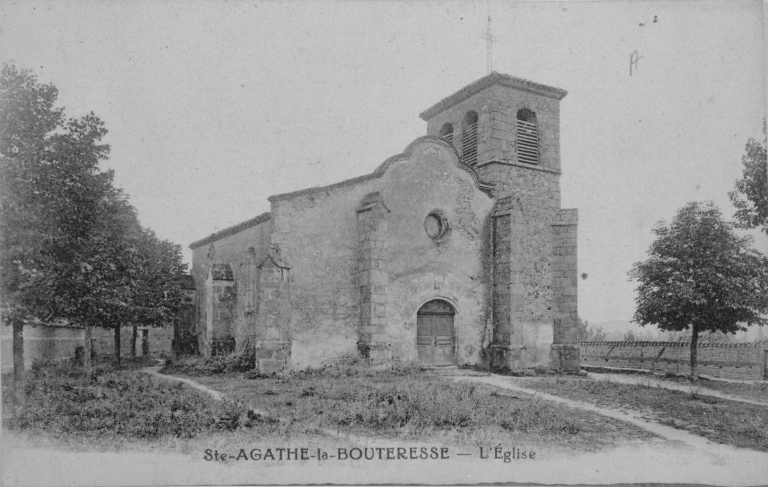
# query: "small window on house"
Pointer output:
{"type": "Point", "coordinates": [527, 137]}
{"type": "Point", "coordinates": [469, 138]}
{"type": "Point", "coordinates": [446, 133]}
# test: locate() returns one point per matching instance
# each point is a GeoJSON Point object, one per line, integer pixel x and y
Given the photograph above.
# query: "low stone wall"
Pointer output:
{"type": "Point", "coordinates": [726, 360]}
{"type": "Point", "coordinates": [160, 340]}
{"type": "Point", "coordinates": [54, 343]}
{"type": "Point", "coordinates": [49, 343]}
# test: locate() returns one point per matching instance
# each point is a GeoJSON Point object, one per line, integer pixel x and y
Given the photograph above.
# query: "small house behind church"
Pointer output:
{"type": "Point", "coordinates": [454, 252]}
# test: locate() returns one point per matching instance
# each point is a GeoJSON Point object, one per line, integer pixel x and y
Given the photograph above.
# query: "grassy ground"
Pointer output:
{"type": "Point", "coordinates": [407, 405]}
{"type": "Point", "coordinates": [125, 409]}
{"type": "Point", "coordinates": [719, 420]}
{"type": "Point", "coordinates": [757, 391]}
{"type": "Point", "coordinates": [61, 404]}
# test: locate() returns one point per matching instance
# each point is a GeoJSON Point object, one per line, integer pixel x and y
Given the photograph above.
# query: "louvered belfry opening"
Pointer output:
{"type": "Point", "coordinates": [469, 138]}
{"type": "Point", "coordinates": [527, 137]}
{"type": "Point", "coordinates": [446, 133]}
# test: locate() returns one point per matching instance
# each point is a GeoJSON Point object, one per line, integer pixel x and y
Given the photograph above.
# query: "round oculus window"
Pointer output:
{"type": "Point", "coordinates": [436, 226]}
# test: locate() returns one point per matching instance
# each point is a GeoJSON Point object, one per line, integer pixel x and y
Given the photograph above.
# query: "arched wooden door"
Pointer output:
{"type": "Point", "coordinates": [434, 333]}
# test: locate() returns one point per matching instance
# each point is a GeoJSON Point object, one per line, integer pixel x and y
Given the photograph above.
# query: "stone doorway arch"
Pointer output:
{"type": "Point", "coordinates": [435, 336]}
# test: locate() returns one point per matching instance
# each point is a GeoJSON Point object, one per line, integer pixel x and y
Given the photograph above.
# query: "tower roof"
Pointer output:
{"type": "Point", "coordinates": [492, 79]}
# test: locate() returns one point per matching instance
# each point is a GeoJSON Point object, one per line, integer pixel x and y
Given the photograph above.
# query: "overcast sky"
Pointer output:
{"type": "Point", "coordinates": [214, 106]}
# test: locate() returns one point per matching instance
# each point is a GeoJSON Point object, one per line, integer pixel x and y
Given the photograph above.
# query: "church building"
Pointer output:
{"type": "Point", "coordinates": [455, 252]}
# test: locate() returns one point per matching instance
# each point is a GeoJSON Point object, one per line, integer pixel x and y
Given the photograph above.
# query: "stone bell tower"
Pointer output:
{"type": "Point", "coordinates": [508, 129]}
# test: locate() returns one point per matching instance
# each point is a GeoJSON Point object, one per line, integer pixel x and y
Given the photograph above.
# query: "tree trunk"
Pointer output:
{"type": "Point", "coordinates": [18, 352]}
{"type": "Point", "coordinates": [133, 340]}
{"type": "Point", "coordinates": [117, 346]}
{"type": "Point", "coordinates": [87, 351]}
{"type": "Point", "coordinates": [694, 351]}
{"type": "Point", "coordinates": [18, 363]}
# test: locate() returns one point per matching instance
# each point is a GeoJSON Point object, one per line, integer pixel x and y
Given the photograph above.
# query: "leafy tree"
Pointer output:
{"type": "Point", "coordinates": [71, 246]}
{"type": "Point", "coordinates": [54, 198]}
{"type": "Point", "coordinates": [629, 336]}
{"type": "Point", "coordinates": [752, 212]}
{"type": "Point", "coordinates": [132, 277]}
{"type": "Point", "coordinates": [95, 289]}
{"type": "Point", "coordinates": [156, 292]}
{"type": "Point", "coordinates": [701, 276]}
{"type": "Point", "coordinates": [47, 185]}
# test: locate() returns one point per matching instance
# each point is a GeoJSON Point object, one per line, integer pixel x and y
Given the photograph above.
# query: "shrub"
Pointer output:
{"type": "Point", "coordinates": [244, 361]}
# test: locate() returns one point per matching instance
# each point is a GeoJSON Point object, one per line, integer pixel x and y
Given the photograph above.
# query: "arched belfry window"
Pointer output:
{"type": "Point", "coordinates": [446, 133]}
{"type": "Point", "coordinates": [469, 138]}
{"type": "Point", "coordinates": [527, 137]}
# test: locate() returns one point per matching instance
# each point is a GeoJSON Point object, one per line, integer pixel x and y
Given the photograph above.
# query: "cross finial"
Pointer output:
{"type": "Point", "coordinates": [490, 39]}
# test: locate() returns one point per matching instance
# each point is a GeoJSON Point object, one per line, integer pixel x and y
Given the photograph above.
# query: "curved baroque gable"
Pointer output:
{"type": "Point", "coordinates": [411, 149]}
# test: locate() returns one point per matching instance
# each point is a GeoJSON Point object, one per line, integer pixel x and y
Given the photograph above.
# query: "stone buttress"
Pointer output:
{"type": "Point", "coordinates": [565, 350]}
{"type": "Point", "coordinates": [372, 279]}
{"type": "Point", "coordinates": [272, 335]}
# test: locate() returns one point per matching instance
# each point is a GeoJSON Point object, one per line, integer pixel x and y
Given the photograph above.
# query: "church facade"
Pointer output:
{"type": "Point", "coordinates": [455, 252]}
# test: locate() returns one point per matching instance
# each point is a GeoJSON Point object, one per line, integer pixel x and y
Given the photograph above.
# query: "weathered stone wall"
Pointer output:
{"type": "Point", "coordinates": [320, 234]}
{"type": "Point", "coordinates": [272, 333]}
{"type": "Point", "coordinates": [104, 341]}
{"type": "Point", "coordinates": [373, 279]}
{"type": "Point", "coordinates": [727, 360]}
{"type": "Point", "coordinates": [420, 269]}
{"type": "Point", "coordinates": [565, 352]}
{"type": "Point", "coordinates": [230, 247]}
{"type": "Point", "coordinates": [44, 343]}
{"type": "Point", "coordinates": [160, 341]}
{"type": "Point", "coordinates": [221, 307]}
{"type": "Point", "coordinates": [525, 214]}
{"type": "Point", "coordinates": [55, 343]}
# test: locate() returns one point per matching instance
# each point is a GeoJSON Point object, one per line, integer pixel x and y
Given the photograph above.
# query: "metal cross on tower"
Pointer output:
{"type": "Point", "coordinates": [490, 39]}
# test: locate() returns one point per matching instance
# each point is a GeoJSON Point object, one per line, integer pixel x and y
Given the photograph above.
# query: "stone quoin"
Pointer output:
{"type": "Point", "coordinates": [455, 252]}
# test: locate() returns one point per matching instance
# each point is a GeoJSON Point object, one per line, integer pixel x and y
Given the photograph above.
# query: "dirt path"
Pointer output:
{"type": "Point", "coordinates": [634, 418]}
{"type": "Point", "coordinates": [219, 396]}
{"type": "Point", "coordinates": [155, 371]}
{"type": "Point", "coordinates": [654, 382]}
